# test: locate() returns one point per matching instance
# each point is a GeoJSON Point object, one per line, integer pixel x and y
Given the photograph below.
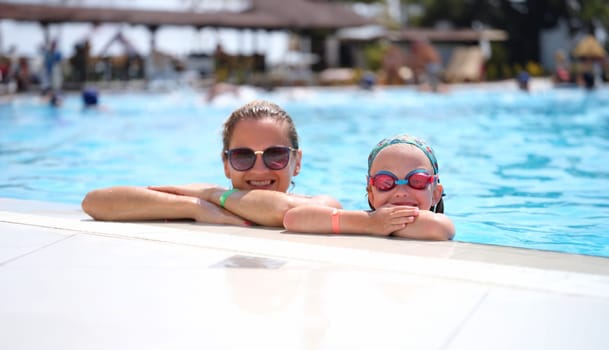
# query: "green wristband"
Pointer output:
{"type": "Point", "coordinates": [225, 195]}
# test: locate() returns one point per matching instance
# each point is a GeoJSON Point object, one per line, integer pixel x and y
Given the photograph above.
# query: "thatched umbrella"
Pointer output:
{"type": "Point", "coordinates": [589, 47]}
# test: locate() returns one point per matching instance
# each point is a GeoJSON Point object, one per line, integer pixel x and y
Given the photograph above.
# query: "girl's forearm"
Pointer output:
{"type": "Point", "coordinates": [318, 219]}
{"type": "Point", "coordinates": [428, 226]}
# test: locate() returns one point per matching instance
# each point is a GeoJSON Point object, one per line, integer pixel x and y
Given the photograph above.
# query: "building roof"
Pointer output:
{"type": "Point", "coordinates": [413, 34]}
{"type": "Point", "coordinates": [262, 14]}
{"type": "Point", "coordinates": [447, 35]}
{"type": "Point", "coordinates": [589, 47]}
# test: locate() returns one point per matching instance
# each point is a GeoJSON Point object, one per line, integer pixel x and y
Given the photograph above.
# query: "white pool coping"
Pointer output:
{"type": "Point", "coordinates": [68, 282]}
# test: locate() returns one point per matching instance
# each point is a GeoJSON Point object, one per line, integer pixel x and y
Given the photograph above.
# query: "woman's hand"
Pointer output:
{"type": "Point", "coordinates": [204, 211]}
{"type": "Point", "coordinates": [210, 213]}
{"type": "Point", "coordinates": [390, 218]}
{"type": "Point", "coordinates": [192, 190]}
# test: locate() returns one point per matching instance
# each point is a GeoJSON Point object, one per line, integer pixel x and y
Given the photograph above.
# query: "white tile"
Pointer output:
{"type": "Point", "coordinates": [135, 306]}
{"type": "Point", "coordinates": [114, 286]}
{"type": "Point", "coordinates": [18, 240]}
{"type": "Point", "coordinates": [229, 238]}
{"type": "Point", "coordinates": [91, 251]}
{"type": "Point", "coordinates": [380, 310]}
{"type": "Point", "coordinates": [520, 319]}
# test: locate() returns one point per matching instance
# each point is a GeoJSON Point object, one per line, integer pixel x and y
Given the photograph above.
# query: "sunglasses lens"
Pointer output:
{"type": "Point", "coordinates": [276, 158]}
{"type": "Point", "coordinates": [383, 182]}
{"type": "Point", "coordinates": [242, 159]}
{"type": "Point", "coordinates": [419, 180]}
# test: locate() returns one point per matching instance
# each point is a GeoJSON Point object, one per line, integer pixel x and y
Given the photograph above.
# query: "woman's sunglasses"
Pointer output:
{"type": "Point", "coordinates": [243, 159]}
{"type": "Point", "coordinates": [386, 181]}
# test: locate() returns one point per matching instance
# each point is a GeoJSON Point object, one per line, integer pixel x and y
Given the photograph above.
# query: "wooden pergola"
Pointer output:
{"type": "Point", "coordinates": [294, 15]}
{"type": "Point", "coordinates": [261, 14]}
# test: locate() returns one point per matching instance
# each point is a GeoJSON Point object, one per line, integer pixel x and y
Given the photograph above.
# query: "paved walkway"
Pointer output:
{"type": "Point", "coordinates": [67, 282]}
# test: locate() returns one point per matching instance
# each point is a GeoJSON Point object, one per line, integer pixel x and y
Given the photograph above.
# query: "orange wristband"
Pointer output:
{"type": "Point", "coordinates": [336, 221]}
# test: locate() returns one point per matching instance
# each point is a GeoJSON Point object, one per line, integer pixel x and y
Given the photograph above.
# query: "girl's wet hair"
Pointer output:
{"type": "Point", "coordinates": [258, 110]}
{"type": "Point", "coordinates": [439, 208]}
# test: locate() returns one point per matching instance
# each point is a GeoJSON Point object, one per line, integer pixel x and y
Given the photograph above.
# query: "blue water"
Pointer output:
{"type": "Point", "coordinates": [523, 170]}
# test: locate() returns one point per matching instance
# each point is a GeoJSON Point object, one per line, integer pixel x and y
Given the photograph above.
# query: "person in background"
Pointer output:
{"type": "Point", "coordinates": [12, 65]}
{"type": "Point", "coordinates": [55, 99]}
{"type": "Point", "coordinates": [91, 100]}
{"type": "Point", "coordinates": [261, 156]}
{"type": "Point", "coordinates": [562, 75]}
{"type": "Point", "coordinates": [426, 63]}
{"type": "Point", "coordinates": [367, 81]}
{"type": "Point", "coordinates": [90, 97]}
{"type": "Point", "coordinates": [53, 75]}
{"type": "Point", "coordinates": [80, 60]}
{"type": "Point", "coordinates": [588, 80]}
{"type": "Point", "coordinates": [23, 76]}
{"type": "Point", "coordinates": [404, 194]}
{"type": "Point", "coordinates": [393, 59]}
{"type": "Point", "coordinates": [523, 81]}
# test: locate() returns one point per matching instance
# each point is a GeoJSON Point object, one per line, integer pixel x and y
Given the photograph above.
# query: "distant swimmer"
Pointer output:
{"type": "Point", "coordinates": [90, 98]}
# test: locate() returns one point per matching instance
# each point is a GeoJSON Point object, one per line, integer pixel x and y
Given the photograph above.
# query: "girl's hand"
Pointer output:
{"type": "Point", "coordinates": [390, 218]}
{"type": "Point", "coordinates": [428, 226]}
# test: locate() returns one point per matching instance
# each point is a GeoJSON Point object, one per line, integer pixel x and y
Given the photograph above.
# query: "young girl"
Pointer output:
{"type": "Point", "coordinates": [404, 192]}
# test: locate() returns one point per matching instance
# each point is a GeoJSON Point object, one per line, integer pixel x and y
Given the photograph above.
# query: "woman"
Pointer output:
{"type": "Point", "coordinates": [261, 155]}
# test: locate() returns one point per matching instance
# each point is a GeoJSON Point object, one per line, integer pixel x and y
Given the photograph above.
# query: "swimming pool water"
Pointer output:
{"type": "Point", "coordinates": [524, 170]}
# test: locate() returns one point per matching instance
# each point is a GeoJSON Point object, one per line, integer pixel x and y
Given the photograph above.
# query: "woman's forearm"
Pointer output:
{"type": "Point", "coordinates": [125, 203]}
{"type": "Point", "coordinates": [264, 207]}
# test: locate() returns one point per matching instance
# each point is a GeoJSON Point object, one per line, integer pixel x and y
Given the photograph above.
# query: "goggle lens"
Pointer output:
{"type": "Point", "coordinates": [383, 182]}
{"type": "Point", "coordinates": [419, 180]}
{"type": "Point", "coordinates": [243, 159]}
{"type": "Point", "coordinates": [386, 181]}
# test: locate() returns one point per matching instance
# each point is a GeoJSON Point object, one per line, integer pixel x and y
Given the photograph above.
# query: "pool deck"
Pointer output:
{"type": "Point", "coordinates": [68, 282]}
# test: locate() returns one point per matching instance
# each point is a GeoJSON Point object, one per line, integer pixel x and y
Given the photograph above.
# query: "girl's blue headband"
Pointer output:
{"type": "Point", "coordinates": [404, 139]}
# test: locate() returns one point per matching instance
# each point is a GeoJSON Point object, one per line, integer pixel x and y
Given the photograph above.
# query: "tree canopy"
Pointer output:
{"type": "Point", "coordinates": [523, 20]}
